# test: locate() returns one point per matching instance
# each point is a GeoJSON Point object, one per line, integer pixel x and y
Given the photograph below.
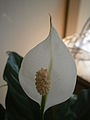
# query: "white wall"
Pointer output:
{"type": "Point", "coordinates": [84, 13]}
{"type": "Point", "coordinates": [23, 24]}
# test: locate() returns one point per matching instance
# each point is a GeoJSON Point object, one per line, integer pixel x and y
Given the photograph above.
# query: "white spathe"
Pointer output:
{"type": "Point", "coordinates": [63, 76]}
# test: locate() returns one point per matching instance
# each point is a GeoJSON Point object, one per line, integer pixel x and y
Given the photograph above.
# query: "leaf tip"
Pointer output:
{"type": "Point", "coordinates": [50, 20]}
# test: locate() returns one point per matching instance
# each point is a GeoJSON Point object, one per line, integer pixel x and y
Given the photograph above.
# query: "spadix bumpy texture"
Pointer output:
{"type": "Point", "coordinates": [63, 76]}
{"type": "Point", "coordinates": [42, 81]}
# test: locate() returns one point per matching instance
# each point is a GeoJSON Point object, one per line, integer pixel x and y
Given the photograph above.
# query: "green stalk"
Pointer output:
{"type": "Point", "coordinates": [43, 102]}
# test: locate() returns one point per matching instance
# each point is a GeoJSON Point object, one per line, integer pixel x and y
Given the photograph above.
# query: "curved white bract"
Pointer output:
{"type": "Point", "coordinates": [63, 76]}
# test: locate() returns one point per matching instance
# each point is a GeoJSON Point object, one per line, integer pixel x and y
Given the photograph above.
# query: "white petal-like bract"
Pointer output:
{"type": "Point", "coordinates": [63, 76]}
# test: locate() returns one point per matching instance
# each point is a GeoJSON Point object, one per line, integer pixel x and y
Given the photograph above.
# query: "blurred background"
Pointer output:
{"type": "Point", "coordinates": [25, 23]}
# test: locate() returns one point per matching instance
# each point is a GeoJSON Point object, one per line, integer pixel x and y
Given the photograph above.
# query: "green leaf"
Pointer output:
{"type": "Point", "coordinates": [82, 105]}
{"type": "Point", "coordinates": [58, 112]}
{"type": "Point", "coordinates": [75, 108]}
{"type": "Point", "coordinates": [2, 112]}
{"type": "Point", "coordinates": [18, 105]}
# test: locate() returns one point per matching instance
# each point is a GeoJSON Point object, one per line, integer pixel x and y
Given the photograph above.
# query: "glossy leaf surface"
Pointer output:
{"type": "Point", "coordinates": [18, 105]}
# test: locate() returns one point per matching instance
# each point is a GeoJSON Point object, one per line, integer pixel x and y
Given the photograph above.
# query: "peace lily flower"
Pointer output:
{"type": "Point", "coordinates": [48, 71]}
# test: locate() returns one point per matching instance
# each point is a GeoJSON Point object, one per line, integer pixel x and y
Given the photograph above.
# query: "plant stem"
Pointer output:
{"type": "Point", "coordinates": [43, 101]}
